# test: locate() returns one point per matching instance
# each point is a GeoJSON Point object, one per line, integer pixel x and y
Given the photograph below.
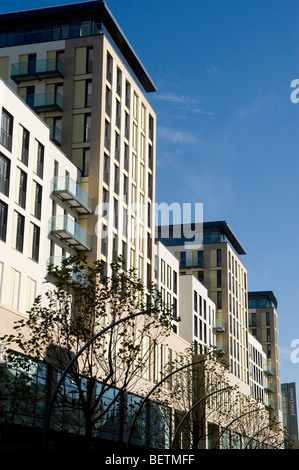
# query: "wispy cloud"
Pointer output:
{"type": "Point", "coordinates": [177, 136]}
{"type": "Point", "coordinates": [183, 102]}
{"type": "Point", "coordinates": [213, 69]}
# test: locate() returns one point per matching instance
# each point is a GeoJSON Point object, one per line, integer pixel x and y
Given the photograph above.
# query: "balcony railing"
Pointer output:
{"type": "Point", "coordinates": [270, 388]}
{"type": "Point", "coordinates": [191, 263]}
{"type": "Point", "coordinates": [219, 326]}
{"type": "Point", "coordinates": [41, 102]}
{"type": "Point", "coordinates": [69, 231]}
{"type": "Point", "coordinates": [72, 194]}
{"type": "Point", "coordinates": [268, 370]}
{"type": "Point", "coordinates": [24, 71]}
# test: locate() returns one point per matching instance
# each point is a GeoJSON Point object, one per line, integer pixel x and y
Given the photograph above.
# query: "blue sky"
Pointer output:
{"type": "Point", "coordinates": [227, 132]}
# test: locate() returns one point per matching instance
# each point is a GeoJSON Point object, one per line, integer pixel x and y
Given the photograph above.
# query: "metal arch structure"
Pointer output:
{"type": "Point", "coordinates": [233, 421]}
{"type": "Point", "coordinates": [192, 408]}
{"type": "Point", "coordinates": [265, 427]}
{"type": "Point", "coordinates": [72, 362]}
{"type": "Point", "coordinates": [151, 391]}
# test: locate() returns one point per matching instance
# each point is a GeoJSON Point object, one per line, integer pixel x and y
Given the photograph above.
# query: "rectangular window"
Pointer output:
{"type": "Point", "coordinates": [4, 174]}
{"type": "Point", "coordinates": [38, 201]}
{"type": "Point", "coordinates": [3, 220]}
{"type": "Point", "coordinates": [6, 129]}
{"type": "Point", "coordinates": [22, 188]}
{"type": "Point", "coordinates": [40, 160]}
{"type": "Point", "coordinates": [109, 68]}
{"type": "Point", "coordinates": [219, 278]}
{"type": "Point", "coordinates": [85, 162]}
{"type": "Point", "coordinates": [218, 258]}
{"type": "Point", "coordinates": [20, 224]}
{"type": "Point", "coordinates": [35, 233]}
{"type": "Point", "coordinates": [118, 82]}
{"type": "Point", "coordinates": [87, 127]}
{"type": "Point", "coordinates": [195, 307]}
{"type": "Point", "coordinates": [175, 282]}
{"type": "Point", "coordinates": [25, 146]}
{"type": "Point", "coordinates": [88, 93]}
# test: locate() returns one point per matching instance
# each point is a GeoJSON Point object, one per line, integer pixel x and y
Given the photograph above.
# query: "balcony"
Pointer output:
{"type": "Point", "coordinates": [219, 327]}
{"type": "Point", "coordinates": [69, 231]}
{"type": "Point", "coordinates": [71, 194]}
{"type": "Point", "coordinates": [270, 405]}
{"type": "Point", "coordinates": [42, 102]}
{"type": "Point", "coordinates": [221, 347]}
{"type": "Point", "coordinates": [270, 388]}
{"type": "Point", "coordinates": [37, 70]}
{"type": "Point", "coordinates": [268, 370]}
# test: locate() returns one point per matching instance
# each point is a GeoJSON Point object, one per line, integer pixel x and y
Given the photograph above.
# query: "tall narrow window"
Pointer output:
{"type": "Point", "coordinates": [85, 164]}
{"type": "Point", "coordinates": [6, 129]}
{"type": "Point", "coordinates": [4, 174]}
{"type": "Point", "coordinates": [25, 147]}
{"type": "Point", "coordinates": [40, 160]}
{"type": "Point", "coordinates": [20, 223]}
{"type": "Point", "coordinates": [88, 93]}
{"type": "Point", "coordinates": [3, 221]}
{"type": "Point", "coordinates": [89, 59]}
{"type": "Point", "coordinates": [35, 242]}
{"type": "Point", "coordinates": [38, 201]}
{"type": "Point", "coordinates": [87, 127]}
{"type": "Point", "coordinates": [22, 188]}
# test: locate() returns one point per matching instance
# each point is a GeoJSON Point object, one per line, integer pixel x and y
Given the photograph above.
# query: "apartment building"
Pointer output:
{"type": "Point", "coordinates": [74, 67]}
{"type": "Point", "coordinates": [218, 266]}
{"type": "Point", "coordinates": [38, 225]}
{"type": "Point", "coordinates": [167, 281]}
{"type": "Point", "coordinates": [257, 370]}
{"type": "Point", "coordinates": [263, 325]}
{"type": "Point", "coordinates": [198, 316]}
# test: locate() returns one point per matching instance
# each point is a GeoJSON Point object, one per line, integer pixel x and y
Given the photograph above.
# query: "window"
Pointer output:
{"type": "Point", "coordinates": [118, 82]}
{"type": "Point", "coordinates": [107, 135]}
{"type": "Point", "coordinates": [195, 307]}
{"type": "Point", "coordinates": [4, 174]}
{"type": "Point", "coordinates": [218, 257]}
{"type": "Point", "coordinates": [20, 223]}
{"type": "Point", "coordinates": [88, 93]}
{"type": "Point", "coordinates": [89, 59]}
{"type": "Point", "coordinates": [219, 278]}
{"type": "Point", "coordinates": [35, 237]}
{"type": "Point", "coordinates": [87, 127]}
{"type": "Point", "coordinates": [6, 129]}
{"type": "Point", "coordinates": [37, 201]}
{"type": "Point", "coordinates": [25, 146]}
{"type": "Point", "coordinates": [200, 258]}
{"type": "Point", "coordinates": [175, 281]}
{"type": "Point", "coordinates": [3, 221]}
{"type": "Point", "coordinates": [109, 68]}
{"type": "Point", "coordinates": [106, 169]}
{"type": "Point", "coordinates": [40, 160]}
{"type": "Point", "coordinates": [85, 163]}
{"type": "Point", "coordinates": [22, 177]}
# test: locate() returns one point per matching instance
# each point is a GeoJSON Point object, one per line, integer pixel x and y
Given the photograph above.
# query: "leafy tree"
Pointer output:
{"type": "Point", "coordinates": [79, 303]}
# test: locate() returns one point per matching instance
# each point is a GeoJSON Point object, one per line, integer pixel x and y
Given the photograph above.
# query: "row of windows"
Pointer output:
{"type": "Point", "coordinates": [19, 232]}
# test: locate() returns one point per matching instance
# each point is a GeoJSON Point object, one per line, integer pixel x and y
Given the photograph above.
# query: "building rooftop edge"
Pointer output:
{"type": "Point", "coordinates": [95, 8]}
{"type": "Point", "coordinates": [264, 293]}
{"type": "Point", "coordinates": [222, 225]}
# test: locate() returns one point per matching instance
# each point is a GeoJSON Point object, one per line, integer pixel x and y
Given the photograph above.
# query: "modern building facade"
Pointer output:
{"type": "Point", "coordinates": [289, 410]}
{"type": "Point", "coordinates": [74, 67]}
{"type": "Point", "coordinates": [34, 220]}
{"type": "Point", "coordinates": [263, 323]}
{"type": "Point", "coordinates": [217, 265]}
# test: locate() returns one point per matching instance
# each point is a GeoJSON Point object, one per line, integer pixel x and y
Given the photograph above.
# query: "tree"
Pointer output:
{"type": "Point", "coordinates": [80, 302]}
